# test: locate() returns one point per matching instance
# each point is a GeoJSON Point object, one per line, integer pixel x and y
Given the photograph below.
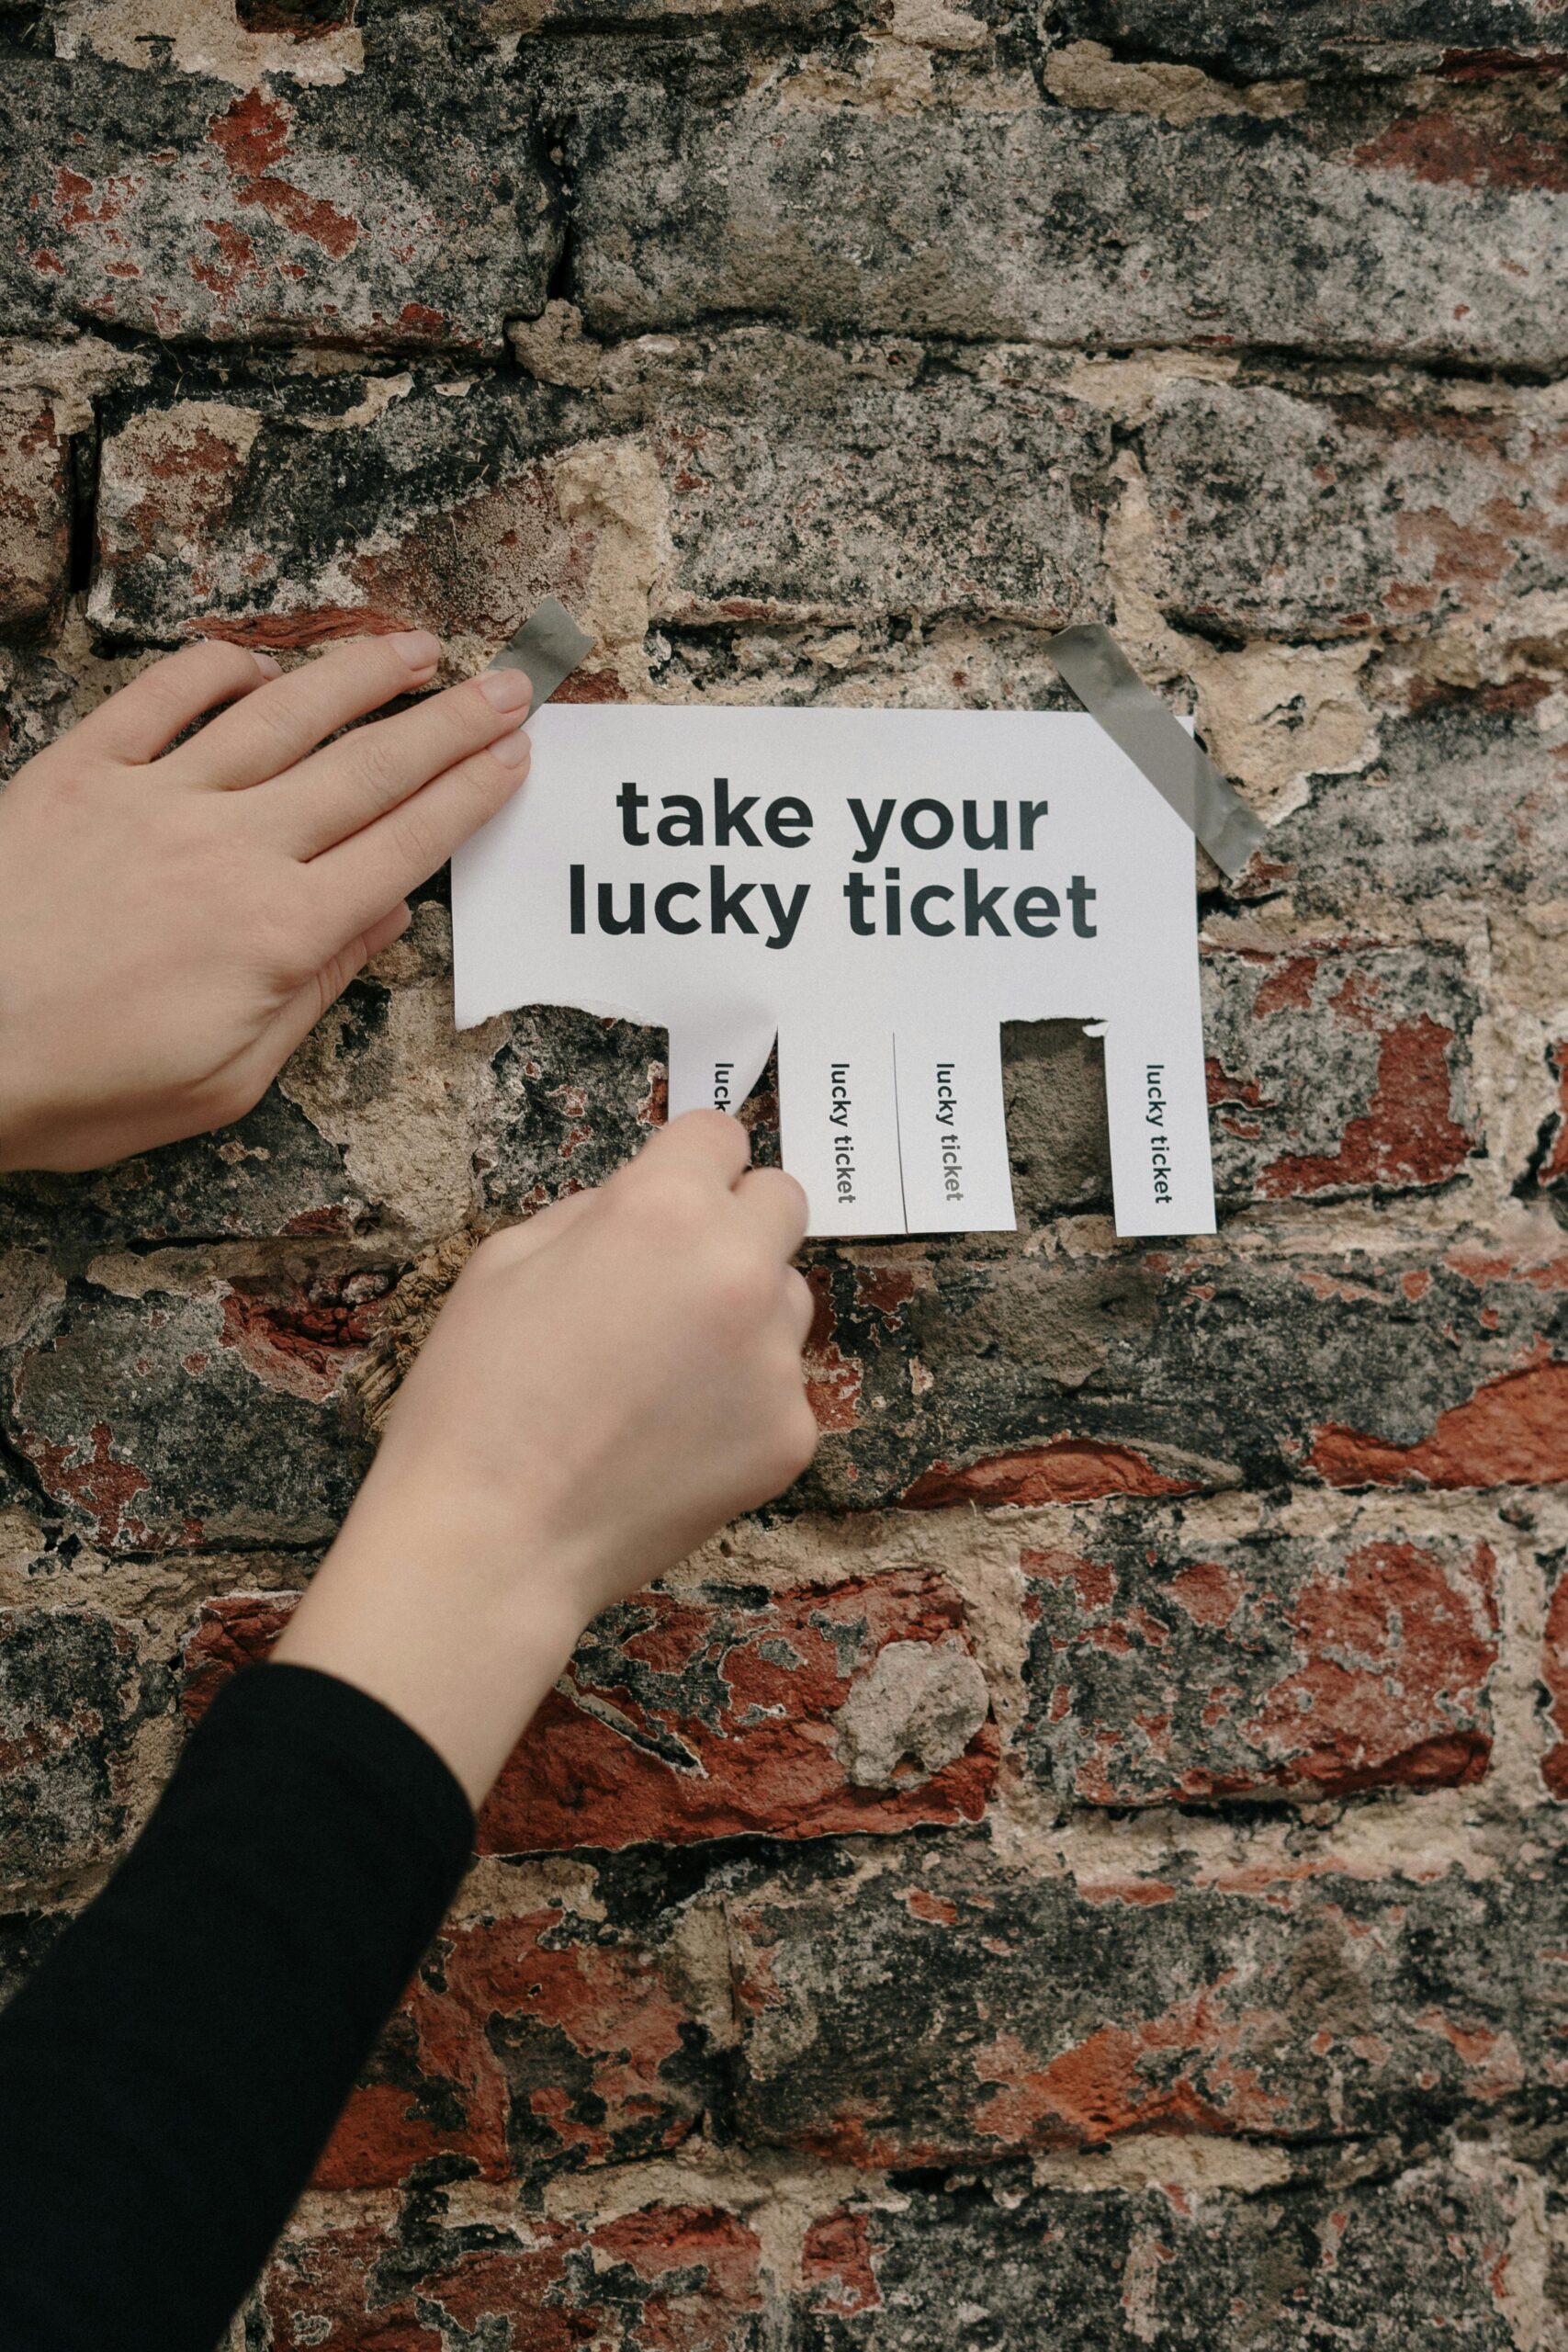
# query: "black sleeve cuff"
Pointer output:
{"type": "Point", "coordinates": [372, 1754]}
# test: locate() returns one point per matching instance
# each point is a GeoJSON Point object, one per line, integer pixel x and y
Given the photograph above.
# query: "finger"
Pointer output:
{"type": "Point", "coordinates": [291, 716]}
{"type": "Point", "coordinates": [385, 861]}
{"type": "Point", "coordinates": [143, 717]}
{"type": "Point", "coordinates": [701, 1142]}
{"type": "Point", "coordinates": [342, 789]}
{"type": "Point", "coordinates": [777, 1205]}
{"type": "Point", "coordinates": [291, 1026]}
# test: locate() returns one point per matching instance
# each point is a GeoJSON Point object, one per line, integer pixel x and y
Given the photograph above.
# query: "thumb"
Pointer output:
{"type": "Point", "coordinates": [294, 1021]}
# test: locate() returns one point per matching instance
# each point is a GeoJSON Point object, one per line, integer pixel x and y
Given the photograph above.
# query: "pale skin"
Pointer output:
{"type": "Point", "coordinates": [610, 1382]}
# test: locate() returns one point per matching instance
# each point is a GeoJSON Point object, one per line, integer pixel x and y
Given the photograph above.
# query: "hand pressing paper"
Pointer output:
{"type": "Point", "coordinates": [880, 889]}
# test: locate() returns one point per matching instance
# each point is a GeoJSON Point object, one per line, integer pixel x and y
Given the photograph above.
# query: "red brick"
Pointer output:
{"type": "Point", "coordinates": [278, 513]}
{"type": "Point", "coordinates": [1555, 1678]}
{"type": "Point", "coordinates": [1008, 1377]}
{"type": "Point", "coordinates": [1167, 1669]}
{"type": "Point", "coordinates": [184, 1419]}
{"type": "Point", "coordinates": [76, 1690]}
{"type": "Point", "coordinates": [714, 1715]}
{"type": "Point", "coordinates": [175, 205]}
{"type": "Point", "coordinates": [1335, 1070]}
{"type": "Point", "coordinates": [530, 2044]}
{"type": "Point", "coordinates": [667, 2278]}
{"type": "Point", "coordinates": [236, 1630]}
{"type": "Point", "coordinates": [708, 1715]}
{"type": "Point", "coordinates": [1294, 2001]}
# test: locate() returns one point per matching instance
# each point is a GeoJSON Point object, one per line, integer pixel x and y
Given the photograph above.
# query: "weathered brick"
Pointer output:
{"type": "Point", "coordinates": [1465, 801]}
{"type": "Point", "coordinates": [35, 514]}
{"type": "Point", "coordinates": [350, 212]}
{"type": "Point", "coordinates": [1425, 2258]}
{"type": "Point", "coordinates": [1462, 40]}
{"type": "Point", "coordinates": [953, 665]}
{"type": "Point", "coordinates": [724, 1712]}
{"type": "Point", "coordinates": [1332, 1072]}
{"type": "Point", "coordinates": [1298, 2004]}
{"type": "Point", "coordinates": [1372, 2266]}
{"type": "Point", "coordinates": [680, 2277]}
{"type": "Point", "coordinates": [810, 484]}
{"type": "Point", "coordinates": [574, 1097]}
{"type": "Point", "coordinates": [172, 1419]}
{"type": "Point", "coordinates": [1165, 1668]}
{"type": "Point", "coordinates": [795, 482]}
{"type": "Point", "coordinates": [1387, 235]}
{"type": "Point", "coordinates": [858, 1706]}
{"type": "Point", "coordinates": [1338, 1070]}
{"type": "Point", "coordinates": [269, 1172]}
{"type": "Point", "coordinates": [76, 1686]}
{"type": "Point", "coordinates": [288, 509]}
{"type": "Point", "coordinates": [1025, 1379]}
{"type": "Point", "coordinates": [1277, 514]}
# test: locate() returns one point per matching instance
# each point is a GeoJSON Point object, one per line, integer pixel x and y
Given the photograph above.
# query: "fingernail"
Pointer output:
{"type": "Point", "coordinates": [266, 665]}
{"type": "Point", "coordinates": [505, 689]}
{"type": "Point", "coordinates": [512, 750]}
{"type": "Point", "coordinates": [417, 647]}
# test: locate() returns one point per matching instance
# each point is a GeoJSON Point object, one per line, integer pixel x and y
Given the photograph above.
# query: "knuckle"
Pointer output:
{"type": "Point", "coordinates": [499, 778]}
{"type": "Point", "coordinates": [268, 725]}
{"type": "Point", "coordinates": [661, 1213]}
{"type": "Point", "coordinates": [279, 929]}
{"type": "Point", "coordinates": [799, 1435]}
{"type": "Point", "coordinates": [419, 842]}
{"type": "Point", "coordinates": [371, 757]}
{"type": "Point", "coordinates": [741, 1288]}
{"type": "Point", "coordinates": [493, 1254]}
{"type": "Point", "coordinates": [214, 663]}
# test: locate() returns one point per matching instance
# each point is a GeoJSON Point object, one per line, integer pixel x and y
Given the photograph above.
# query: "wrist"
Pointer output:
{"type": "Point", "coordinates": [459, 1632]}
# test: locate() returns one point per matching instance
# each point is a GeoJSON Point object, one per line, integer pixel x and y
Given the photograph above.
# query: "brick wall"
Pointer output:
{"type": "Point", "coordinates": [1088, 1868]}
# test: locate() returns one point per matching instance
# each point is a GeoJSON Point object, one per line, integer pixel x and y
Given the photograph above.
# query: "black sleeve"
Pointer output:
{"type": "Point", "coordinates": [171, 2073]}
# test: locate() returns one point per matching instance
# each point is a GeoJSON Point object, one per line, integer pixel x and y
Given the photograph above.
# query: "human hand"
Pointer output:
{"type": "Point", "coordinates": [606, 1385]}
{"type": "Point", "coordinates": [174, 923]}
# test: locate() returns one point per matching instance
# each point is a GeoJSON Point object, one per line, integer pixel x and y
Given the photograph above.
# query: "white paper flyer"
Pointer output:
{"type": "Point", "coordinates": [879, 890]}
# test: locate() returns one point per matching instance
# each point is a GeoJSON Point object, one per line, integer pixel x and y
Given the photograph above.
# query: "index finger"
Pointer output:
{"type": "Point", "coordinates": [358, 880]}
{"type": "Point", "coordinates": [701, 1143]}
{"type": "Point", "coordinates": [776, 1204]}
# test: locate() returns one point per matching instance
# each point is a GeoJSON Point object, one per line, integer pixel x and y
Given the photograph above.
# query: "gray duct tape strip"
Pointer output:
{"type": "Point", "coordinates": [549, 646]}
{"type": "Point", "coordinates": [1148, 730]}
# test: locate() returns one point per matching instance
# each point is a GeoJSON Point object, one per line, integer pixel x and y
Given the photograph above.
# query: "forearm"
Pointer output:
{"type": "Point", "coordinates": [170, 2075]}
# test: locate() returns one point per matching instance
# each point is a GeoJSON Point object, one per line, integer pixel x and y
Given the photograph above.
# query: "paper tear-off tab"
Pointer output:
{"type": "Point", "coordinates": [839, 1119]}
{"type": "Point", "coordinates": [882, 888]}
